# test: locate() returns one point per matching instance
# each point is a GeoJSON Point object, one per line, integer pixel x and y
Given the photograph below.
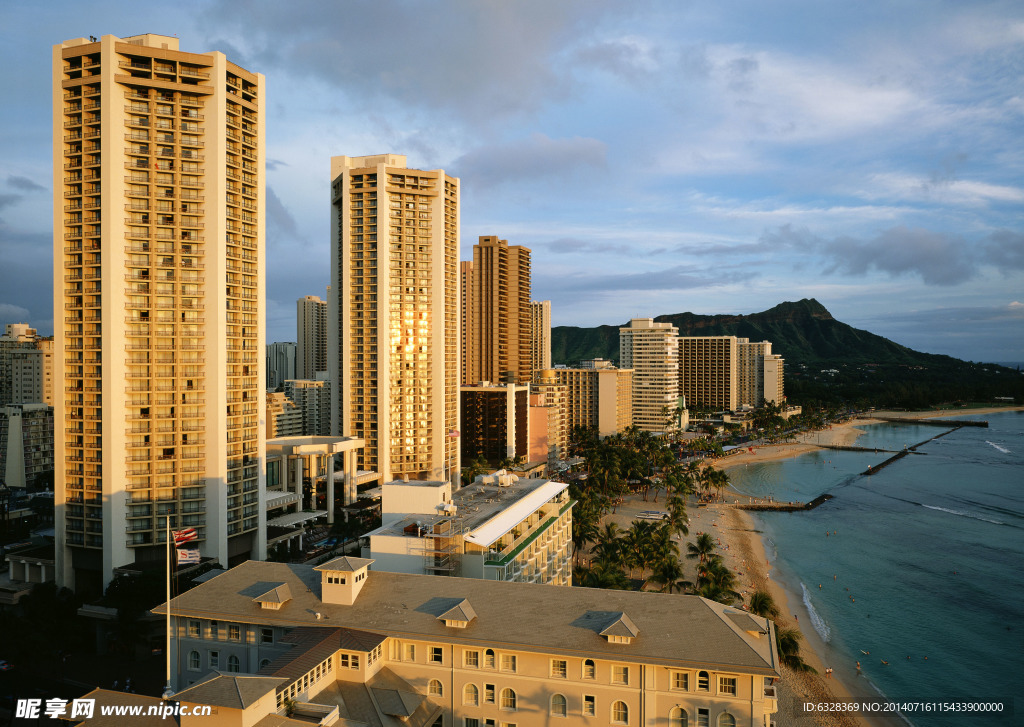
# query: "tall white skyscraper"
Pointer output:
{"type": "Point", "coordinates": [158, 169]}
{"type": "Point", "coordinates": [652, 351]}
{"type": "Point", "coordinates": [393, 324]}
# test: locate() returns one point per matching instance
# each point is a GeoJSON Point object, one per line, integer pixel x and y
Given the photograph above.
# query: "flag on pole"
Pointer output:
{"type": "Point", "coordinates": [186, 556]}
{"type": "Point", "coordinates": [184, 536]}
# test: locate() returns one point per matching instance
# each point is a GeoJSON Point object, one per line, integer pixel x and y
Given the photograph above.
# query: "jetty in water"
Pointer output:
{"type": "Point", "coordinates": [955, 423]}
{"type": "Point", "coordinates": [784, 506]}
{"type": "Point", "coordinates": [905, 452]}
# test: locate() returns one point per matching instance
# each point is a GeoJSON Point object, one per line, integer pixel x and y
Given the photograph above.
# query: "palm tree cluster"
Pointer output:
{"type": "Point", "coordinates": [787, 640]}
{"type": "Point", "coordinates": [646, 549]}
{"type": "Point", "coordinates": [714, 579]}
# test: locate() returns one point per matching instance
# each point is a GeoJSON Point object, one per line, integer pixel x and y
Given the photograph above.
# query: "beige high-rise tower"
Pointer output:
{"type": "Point", "coordinates": [540, 334]}
{"type": "Point", "coordinates": [158, 171]}
{"type": "Point", "coordinates": [311, 348]}
{"type": "Point", "coordinates": [393, 320]}
{"type": "Point", "coordinates": [498, 338]}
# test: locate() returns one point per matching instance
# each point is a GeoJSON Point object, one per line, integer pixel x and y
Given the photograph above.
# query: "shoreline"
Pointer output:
{"type": "Point", "coordinates": [749, 550]}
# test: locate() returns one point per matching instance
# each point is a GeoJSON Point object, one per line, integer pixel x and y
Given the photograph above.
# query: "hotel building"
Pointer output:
{"type": "Point", "coordinates": [26, 366]}
{"type": "Point", "coordinates": [500, 527]}
{"type": "Point", "coordinates": [708, 371]}
{"type": "Point", "coordinates": [394, 315]}
{"type": "Point", "coordinates": [540, 334]}
{"type": "Point", "coordinates": [495, 422]}
{"type": "Point", "coordinates": [280, 363]}
{"type": "Point", "coordinates": [311, 348]}
{"type": "Point", "coordinates": [158, 226]}
{"type": "Point", "coordinates": [727, 372]}
{"type": "Point", "coordinates": [498, 330]}
{"type": "Point", "coordinates": [352, 645]}
{"type": "Point", "coordinates": [652, 351]}
{"type": "Point", "coordinates": [596, 395]}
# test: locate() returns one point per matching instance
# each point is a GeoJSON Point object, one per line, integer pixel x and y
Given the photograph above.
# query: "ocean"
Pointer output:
{"type": "Point", "coordinates": [922, 567]}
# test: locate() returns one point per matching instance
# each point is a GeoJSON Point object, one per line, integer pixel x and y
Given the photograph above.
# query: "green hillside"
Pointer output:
{"type": "Point", "coordinates": [871, 369]}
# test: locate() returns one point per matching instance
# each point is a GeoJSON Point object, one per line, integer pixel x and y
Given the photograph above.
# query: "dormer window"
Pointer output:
{"type": "Point", "coordinates": [275, 598]}
{"type": "Point", "coordinates": [459, 615]}
{"type": "Point", "coordinates": [621, 630]}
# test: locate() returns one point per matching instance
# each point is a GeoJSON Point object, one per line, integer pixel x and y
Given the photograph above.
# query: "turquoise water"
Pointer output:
{"type": "Point", "coordinates": [927, 560]}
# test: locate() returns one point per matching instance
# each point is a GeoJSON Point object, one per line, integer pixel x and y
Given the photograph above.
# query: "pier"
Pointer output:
{"type": "Point", "coordinates": [908, 450]}
{"type": "Point", "coordinates": [930, 422]}
{"type": "Point", "coordinates": [784, 506]}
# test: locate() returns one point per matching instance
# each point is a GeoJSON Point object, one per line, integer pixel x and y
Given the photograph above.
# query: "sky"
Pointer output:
{"type": "Point", "coordinates": [656, 157]}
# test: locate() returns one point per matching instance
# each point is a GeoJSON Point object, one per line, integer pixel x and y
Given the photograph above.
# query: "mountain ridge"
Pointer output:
{"type": "Point", "coordinates": [813, 343]}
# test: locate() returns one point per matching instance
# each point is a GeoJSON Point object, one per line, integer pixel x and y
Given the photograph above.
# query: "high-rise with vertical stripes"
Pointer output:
{"type": "Point", "coordinates": [158, 226]}
{"type": "Point", "coordinates": [393, 317]}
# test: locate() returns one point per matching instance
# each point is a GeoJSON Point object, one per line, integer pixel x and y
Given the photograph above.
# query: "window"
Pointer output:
{"type": "Point", "coordinates": [703, 681]}
{"type": "Point", "coordinates": [508, 662]}
{"type": "Point", "coordinates": [234, 632]}
{"type": "Point", "coordinates": [215, 660]}
{"type": "Point", "coordinates": [559, 706]}
{"type": "Point", "coordinates": [266, 636]}
{"type": "Point", "coordinates": [508, 699]}
{"type": "Point", "coordinates": [436, 655]}
{"type": "Point", "coordinates": [409, 652]}
{"type": "Point", "coordinates": [680, 680]}
{"type": "Point", "coordinates": [232, 663]}
{"type": "Point", "coordinates": [193, 661]}
{"type": "Point", "coordinates": [559, 668]}
{"type": "Point", "coordinates": [727, 685]}
{"type": "Point", "coordinates": [214, 630]}
{"type": "Point", "coordinates": [434, 688]}
{"type": "Point", "coordinates": [703, 718]}
{"type": "Point", "coordinates": [355, 661]}
{"type": "Point", "coordinates": [488, 694]}
{"type": "Point", "coordinates": [589, 670]}
{"type": "Point", "coordinates": [620, 674]}
{"type": "Point", "coordinates": [620, 713]}
{"type": "Point", "coordinates": [470, 695]}
{"type": "Point", "coordinates": [589, 705]}
{"type": "Point", "coordinates": [193, 629]}
{"type": "Point", "coordinates": [677, 718]}
{"type": "Point", "coordinates": [726, 720]}
{"type": "Point", "coordinates": [472, 659]}
{"type": "Point", "coordinates": [489, 659]}
{"type": "Point", "coordinates": [470, 722]}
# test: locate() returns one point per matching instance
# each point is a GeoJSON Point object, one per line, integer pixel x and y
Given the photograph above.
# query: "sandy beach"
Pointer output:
{"type": "Point", "coordinates": [743, 550]}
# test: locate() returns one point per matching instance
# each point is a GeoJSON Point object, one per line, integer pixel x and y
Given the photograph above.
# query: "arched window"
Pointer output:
{"type": "Point", "coordinates": [434, 688]}
{"type": "Point", "coordinates": [558, 705]}
{"type": "Point", "coordinates": [620, 713]}
{"type": "Point", "coordinates": [726, 720]}
{"type": "Point", "coordinates": [470, 695]}
{"type": "Point", "coordinates": [232, 663]}
{"type": "Point", "coordinates": [508, 699]}
{"type": "Point", "coordinates": [489, 659]}
{"type": "Point", "coordinates": [589, 671]}
{"type": "Point", "coordinates": [193, 660]}
{"type": "Point", "coordinates": [703, 681]}
{"type": "Point", "coordinates": [264, 663]}
{"type": "Point", "coordinates": [678, 718]}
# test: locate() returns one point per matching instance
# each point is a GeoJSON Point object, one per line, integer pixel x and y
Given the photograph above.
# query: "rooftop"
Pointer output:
{"type": "Point", "coordinates": [671, 629]}
{"type": "Point", "coordinates": [487, 511]}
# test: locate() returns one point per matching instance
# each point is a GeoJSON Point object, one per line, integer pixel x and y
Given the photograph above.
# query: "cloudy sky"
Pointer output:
{"type": "Point", "coordinates": [657, 157]}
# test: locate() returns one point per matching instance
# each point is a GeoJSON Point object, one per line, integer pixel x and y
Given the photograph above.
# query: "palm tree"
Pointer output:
{"type": "Point", "coordinates": [584, 530]}
{"type": "Point", "coordinates": [703, 547]}
{"type": "Point", "coordinates": [788, 643]}
{"type": "Point", "coordinates": [669, 574]}
{"type": "Point", "coordinates": [608, 548]}
{"type": "Point", "coordinates": [677, 518]}
{"type": "Point", "coordinates": [762, 604]}
{"type": "Point", "coordinates": [601, 575]}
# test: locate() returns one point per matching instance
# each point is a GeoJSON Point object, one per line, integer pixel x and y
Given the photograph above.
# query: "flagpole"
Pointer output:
{"type": "Point", "coordinates": [168, 692]}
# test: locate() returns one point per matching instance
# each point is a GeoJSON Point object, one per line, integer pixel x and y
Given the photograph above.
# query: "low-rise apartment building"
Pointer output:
{"type": "Point", "coordinates": [500, 527]}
